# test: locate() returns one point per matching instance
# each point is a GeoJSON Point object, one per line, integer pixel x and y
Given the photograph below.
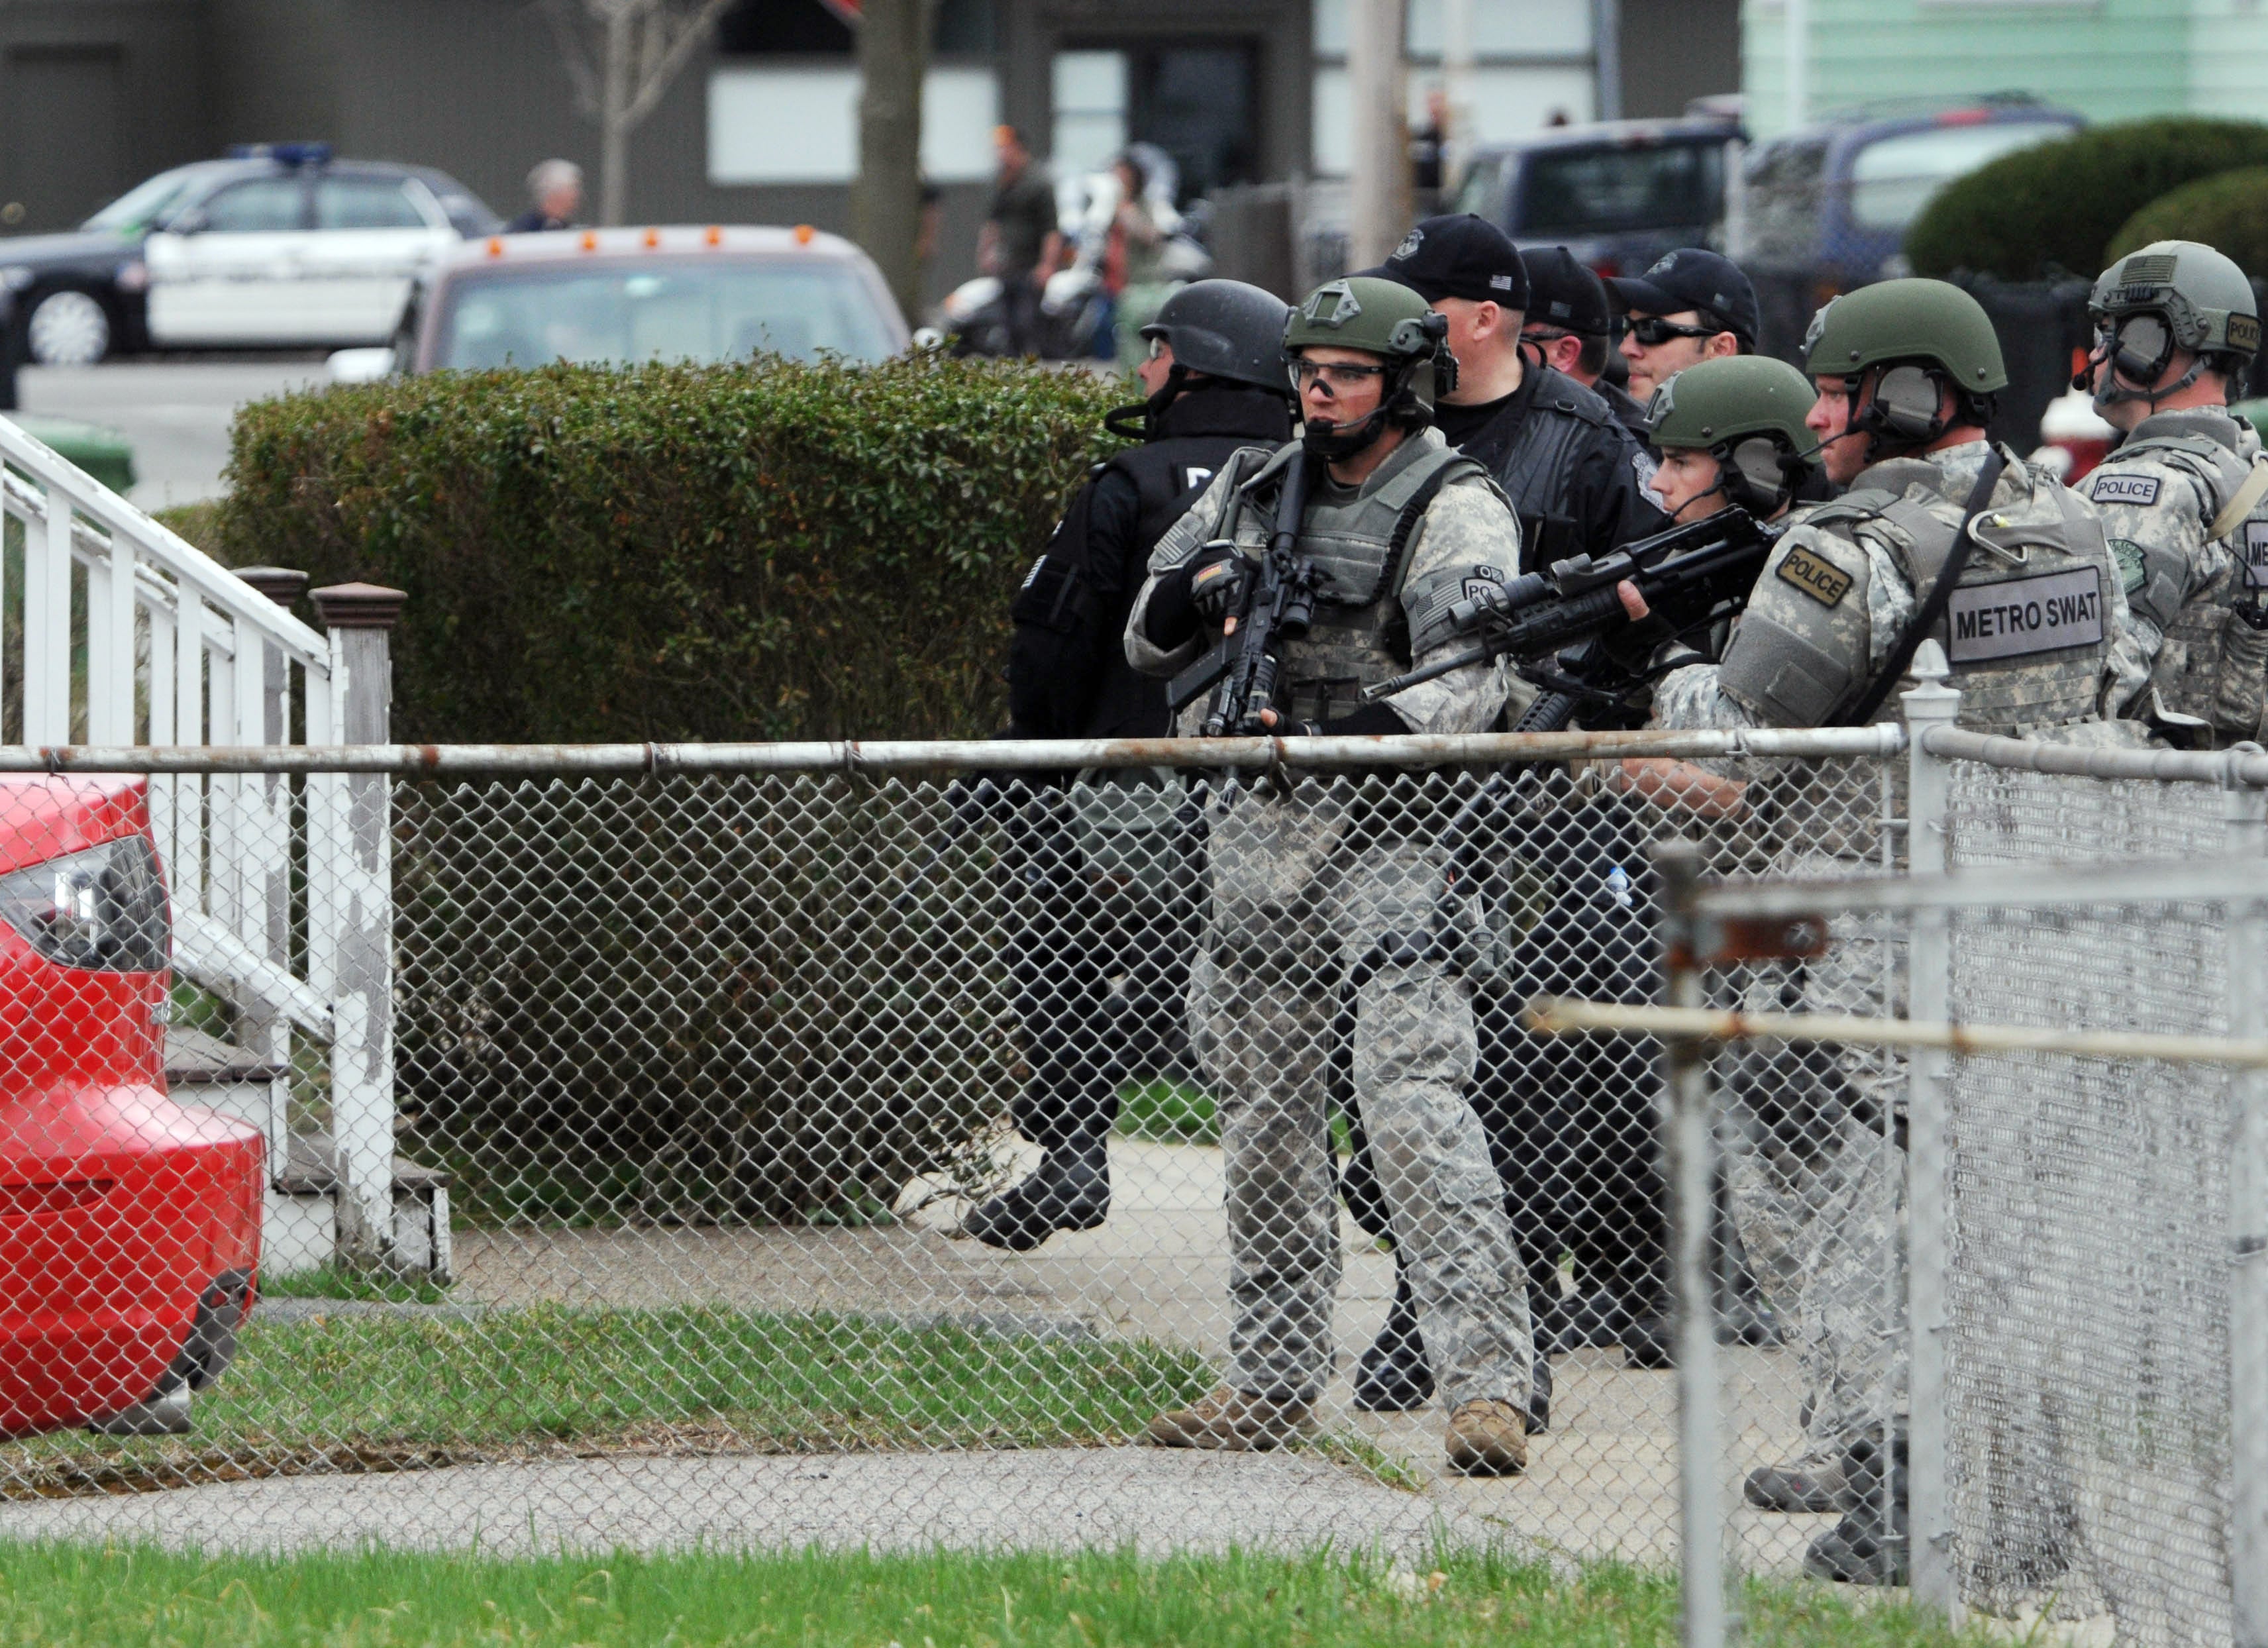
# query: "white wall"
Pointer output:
{"type": "Point", "coordinates": [1510, 100]}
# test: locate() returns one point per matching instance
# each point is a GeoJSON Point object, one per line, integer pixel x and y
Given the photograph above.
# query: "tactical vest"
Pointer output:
{"type": "Point", "coordinates": [2028, 631]}
{"type": "Point", "coordinates": [1536, 469]}
{"type": "Point", "coordinates": [1361, 546]}
{"type": "Point", "coordinates": [1065, 593]}
{"type": "Point", "coordinates": [2194, 627]}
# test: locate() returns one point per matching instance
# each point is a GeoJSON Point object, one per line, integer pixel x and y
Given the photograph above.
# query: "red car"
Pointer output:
{"type": "Point", "coordinates": [130, 1228]}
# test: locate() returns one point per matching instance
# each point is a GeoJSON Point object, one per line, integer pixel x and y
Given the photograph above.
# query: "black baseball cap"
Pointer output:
{"type": "Point", "coordinates": [1562, 293]}
{"type": "Point", "coordinates": [1458, 256]}
{"type": "Point", "coordinates": [1694, 278]}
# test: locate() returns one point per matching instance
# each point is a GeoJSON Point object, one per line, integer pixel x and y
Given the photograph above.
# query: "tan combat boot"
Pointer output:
{"type": "Point", "coordinates": [1232, 1420]}
{"type": "Point", "coordinates": [1488, 1438]}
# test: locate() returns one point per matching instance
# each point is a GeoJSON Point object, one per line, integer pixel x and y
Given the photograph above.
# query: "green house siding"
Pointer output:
{"type": "Point", "coordinates": [2112, 60]}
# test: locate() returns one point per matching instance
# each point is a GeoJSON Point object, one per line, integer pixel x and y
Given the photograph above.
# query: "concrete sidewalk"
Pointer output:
{"type": "Point", "coordinates": [1602, 1483]}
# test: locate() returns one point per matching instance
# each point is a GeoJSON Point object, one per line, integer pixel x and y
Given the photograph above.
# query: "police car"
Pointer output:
{"type": "Point", "coordinates": [278, 246]}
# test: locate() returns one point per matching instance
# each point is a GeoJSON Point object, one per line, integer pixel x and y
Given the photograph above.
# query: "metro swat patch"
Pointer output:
{"type": "Point", "coordinates": [2128, 554]}
{"type": "Point", "coordinates": [2120, 489]}
{"type": "Point", "coordinates": [2017, 617]}
{"type": "Point", "coordinates": [2255, 554]}
{"type": "Point", "coordinates": [1824, 582]}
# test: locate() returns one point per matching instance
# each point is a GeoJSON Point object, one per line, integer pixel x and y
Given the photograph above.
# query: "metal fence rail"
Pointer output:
{"type": "Point", "coordinates": [701, 1062]}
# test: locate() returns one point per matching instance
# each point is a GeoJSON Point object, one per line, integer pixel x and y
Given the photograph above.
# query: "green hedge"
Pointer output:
{"type": "Point", "coordinates": [2054, 209]}
{"type": "Point", "coordinates": [2228, 211]}
{"type": "Point", "coordinates": [678, 553]}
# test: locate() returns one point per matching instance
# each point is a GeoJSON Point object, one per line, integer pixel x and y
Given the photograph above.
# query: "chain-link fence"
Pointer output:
{"type": "Point", "coordinates": [610, 1130]}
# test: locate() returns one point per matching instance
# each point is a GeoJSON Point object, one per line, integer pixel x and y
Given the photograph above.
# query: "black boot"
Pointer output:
{"type": "Point", "coordinates": [1868, 1546]}
{"type": "Point", "coordinates": [1393, 1376]}
{"type": "Point", "coordinates": [1649, 1337]}
{"type": "Point", "coordinates": [1071, 1190]}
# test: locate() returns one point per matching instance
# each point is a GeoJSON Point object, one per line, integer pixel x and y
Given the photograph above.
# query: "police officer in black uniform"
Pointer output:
{"type": "Point", "coordinates": [1576, 477]}
{"type": "Point", "coordinates": [1572, 326]}
{"type": "Point", "coordinates": [1100, 979]}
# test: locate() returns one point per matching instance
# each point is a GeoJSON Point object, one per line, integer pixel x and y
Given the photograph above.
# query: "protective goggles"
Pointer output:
{"type": "Point", "coordinates": [1653, 331]}
{"type": "Point", "coordinates": [1337, 378]}
{"type": "Point", "coordinates": [2139, 347]}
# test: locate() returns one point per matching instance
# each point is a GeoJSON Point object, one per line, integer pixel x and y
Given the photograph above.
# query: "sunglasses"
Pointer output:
{"type": "Point", "coordinates": [1158, 346]}
{"type": "Point", "coordinates": [1334, 378]}
{"type": "Point", "coordinates": [1653, 331]}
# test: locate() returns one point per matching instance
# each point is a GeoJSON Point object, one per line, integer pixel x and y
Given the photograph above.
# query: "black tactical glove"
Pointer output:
{"type": "Point", "coordinates": [1217, 577]}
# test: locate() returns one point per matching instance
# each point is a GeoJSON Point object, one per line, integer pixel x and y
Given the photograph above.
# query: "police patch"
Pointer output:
{"type": "Point", "coordinates": [1821, 580]}
{"type": "Point", "coordinates": [2123, 489]}
{"type": "Point", "coordinates": [2255, 554]}
{"type": "Point", "coordinates": [1485, 586]}
{"type": "Point", "coordinates": [2128, 554]}
{"type": "Point", "coordinates": [1647, 467]}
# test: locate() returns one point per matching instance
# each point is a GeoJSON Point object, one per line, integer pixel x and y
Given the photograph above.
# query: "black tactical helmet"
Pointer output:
{"type": "Point", "coordinates": [1224, 329]}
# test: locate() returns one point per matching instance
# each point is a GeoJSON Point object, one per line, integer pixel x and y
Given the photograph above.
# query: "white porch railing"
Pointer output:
{"type": "Point", "coordinates": [132, 635]}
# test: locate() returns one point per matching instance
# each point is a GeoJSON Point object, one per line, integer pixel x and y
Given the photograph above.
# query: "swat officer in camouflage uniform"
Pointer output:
{"type": "Point", "coordinates": [1095, 971]}
{"type": "Point", "coordinates": [1320, 899]}
{"type": "Point", "coordinates": [1940, 535]}
{"type": "Point", "coordinates": [2184, 498]}
{"type": "Point", "coordinates": [1571, 1120]}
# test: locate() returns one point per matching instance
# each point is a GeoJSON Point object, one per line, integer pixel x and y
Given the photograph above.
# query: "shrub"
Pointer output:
{"type": "Point", "coordinates": [2228, 211]}
{"type": "Point", "coordinates": [687, 1001]}
{"type": "Point", "coordinates": [2053, 208]}
{"type": "Point", "coordinates": [678, 553]}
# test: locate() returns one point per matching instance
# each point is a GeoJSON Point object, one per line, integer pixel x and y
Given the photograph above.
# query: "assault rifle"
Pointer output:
{"type": "Point", "coordinates": [1279, 605]}
{"type": "Point", "coordinates": [1690, 575]}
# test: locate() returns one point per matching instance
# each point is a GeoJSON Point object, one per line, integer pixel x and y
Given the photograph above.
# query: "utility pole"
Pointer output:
{"type": "Point", "coordinates": [886, 203]}
{"type": "Point", "coordinates": [1380, 181]}
{"type": "Point", "coordinates": [1457, 92]}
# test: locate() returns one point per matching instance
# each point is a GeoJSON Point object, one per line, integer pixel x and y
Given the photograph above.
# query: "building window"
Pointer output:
{"type": "Point", "coordinates": [1089, 99]}
{"type": "Point", "coordinates": [798, 123]}
{"type": "Point", "coordinates": [1533, 60]}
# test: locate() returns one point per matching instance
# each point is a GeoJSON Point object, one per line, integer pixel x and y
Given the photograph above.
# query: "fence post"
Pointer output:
{"type": "Point", "coordinates": [268, 908]}
{"type": "Point", "coordinates": [360, 618]}
{"type": "Point", "coordinates": [1929, 963]}
{"type": "Point", "coordinates": [1688, 1124]}
{"type": "Point", "coordinates": [2248, 1227]}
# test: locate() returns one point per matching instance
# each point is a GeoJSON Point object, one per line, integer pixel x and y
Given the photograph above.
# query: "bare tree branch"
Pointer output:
{"type": "Point", "coordinates": [656, 79]}
{"type": "Point", "coordinates": [581, 72]}
{"type": "Point", "coordinates": [621, 56]}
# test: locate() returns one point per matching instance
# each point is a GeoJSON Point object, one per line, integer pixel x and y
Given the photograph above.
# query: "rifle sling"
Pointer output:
{"type": "Point", "coordinates": [1932, 610]}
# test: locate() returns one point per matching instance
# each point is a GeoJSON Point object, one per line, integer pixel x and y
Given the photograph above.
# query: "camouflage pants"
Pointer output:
{"type": "Point", "coordinates": [1293, 912]}
{"type": "Point", "coordinates": [1818, 1186]}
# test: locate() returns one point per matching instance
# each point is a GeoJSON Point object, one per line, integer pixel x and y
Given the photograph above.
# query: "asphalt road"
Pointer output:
{"type": "Point", "coordinates": [175, 412]}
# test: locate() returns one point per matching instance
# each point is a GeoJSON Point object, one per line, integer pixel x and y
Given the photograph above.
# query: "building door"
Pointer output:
{"type": "Point", "coordinates": [62, 157]}
{"type": "Point", "coordinates": [1194, 101]}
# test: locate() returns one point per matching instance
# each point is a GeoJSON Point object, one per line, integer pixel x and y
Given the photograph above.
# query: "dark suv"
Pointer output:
{"type": "Point", "coordinates": [1617, 194]}
{"type": "Point", "coordinates": [1827, 207]}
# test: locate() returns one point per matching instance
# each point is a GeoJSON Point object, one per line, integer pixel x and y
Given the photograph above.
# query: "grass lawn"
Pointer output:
{"type": "Point", "coordinates": [378, 1391]}
{"type": "Point", "coordinates": [68, 1595]}
{"type": "Point", "coordinates": [338, 1282]}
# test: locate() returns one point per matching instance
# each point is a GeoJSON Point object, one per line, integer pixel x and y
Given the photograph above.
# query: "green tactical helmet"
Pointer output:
{"type": "Point", "coordinates": [2203, 295]}
{"type": "Point", "coordinates": [1907, 320]}
{"type": "Point", "coordinates": [1712, 405]}
{"type": "Point", "coordinates": [1385, 318]}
